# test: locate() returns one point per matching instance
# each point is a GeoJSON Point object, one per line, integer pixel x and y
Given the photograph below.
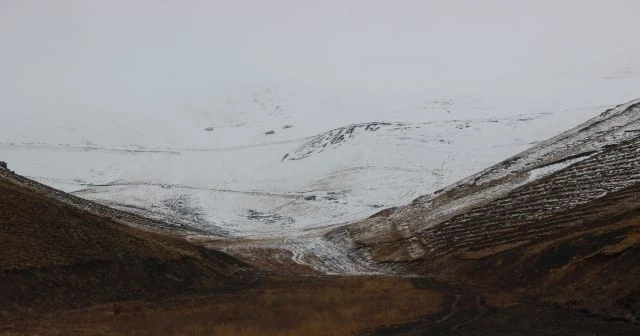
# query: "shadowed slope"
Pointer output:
{"type": "Point", "coordinates": [59, 256]}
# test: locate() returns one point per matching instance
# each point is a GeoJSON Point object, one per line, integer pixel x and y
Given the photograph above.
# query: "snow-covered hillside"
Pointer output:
{"type": "Point", "coordinates": [260, 118]}
{"type": "Point", "coordinates": [277, 169]}
{"type": "Point", "coordinates": [515, 201]}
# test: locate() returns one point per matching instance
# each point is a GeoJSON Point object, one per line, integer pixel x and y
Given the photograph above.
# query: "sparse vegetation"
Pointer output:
{"type": "Point", "coordinates": [279, 306]}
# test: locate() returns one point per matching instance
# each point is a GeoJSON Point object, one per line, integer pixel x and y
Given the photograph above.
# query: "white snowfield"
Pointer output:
{"type": "Point", "coordinates": [278, 121]}
{"type": "Point", "coordinates": [229, 178]}
{"type": "Point", "coordinates": [285, 191]}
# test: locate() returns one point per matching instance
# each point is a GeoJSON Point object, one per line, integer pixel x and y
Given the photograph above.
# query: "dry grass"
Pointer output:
{"type": "Point", "coordinates": [55, 256]}
{"type": "Point", "coordinates": [293, 306]}
{"type": "Point", "coordinates": [39, 232]}
{"type": "Point", "coordinates": [630, 241]}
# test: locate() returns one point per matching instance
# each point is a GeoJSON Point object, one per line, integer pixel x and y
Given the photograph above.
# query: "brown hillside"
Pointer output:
{"type": "Point", "coordinates": [58, 256]}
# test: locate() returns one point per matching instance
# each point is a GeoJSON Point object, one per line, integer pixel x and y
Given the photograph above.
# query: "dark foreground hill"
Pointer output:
{"type": "Point", "coordinates": [58, 256]}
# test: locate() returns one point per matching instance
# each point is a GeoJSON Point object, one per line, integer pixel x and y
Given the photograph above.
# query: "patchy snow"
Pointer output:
{"type": "Point", "coordinates": [541, 172]}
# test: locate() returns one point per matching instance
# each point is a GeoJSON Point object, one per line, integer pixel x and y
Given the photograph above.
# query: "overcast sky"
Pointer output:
{"type": "Point", "coordinates": [85, 57]}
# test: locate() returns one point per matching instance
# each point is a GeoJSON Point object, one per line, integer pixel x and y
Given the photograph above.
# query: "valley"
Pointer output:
{"type": "Point", "coordinates": [543, 243]}
{"type": "Point", "coordinates": [281, 168]}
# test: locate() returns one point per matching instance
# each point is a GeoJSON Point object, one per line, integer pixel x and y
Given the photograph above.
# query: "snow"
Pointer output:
{"type": "Point", "coordinates": [236, 181]}
{"type": "Point", "coordinates": [571, 147]}
{"type": "Point", "coordinates": [541, 172]}
{"type": "Point", "coordinates": [230, 121]}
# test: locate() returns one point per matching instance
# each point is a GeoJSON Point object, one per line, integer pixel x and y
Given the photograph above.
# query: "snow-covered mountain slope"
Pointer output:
{"type": "Point", "coordinates": [242, 180]}
{"type": "Point", "coordinates": [525, 199]}
{"type": "Point", "coordinates": [560, 221]}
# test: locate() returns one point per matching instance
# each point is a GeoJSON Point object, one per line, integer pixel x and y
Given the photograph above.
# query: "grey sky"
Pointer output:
{"type": "Point", "coordinates": [111, 56]}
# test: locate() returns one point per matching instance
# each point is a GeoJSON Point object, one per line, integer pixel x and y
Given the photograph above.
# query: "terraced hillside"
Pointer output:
{"type": "Point", "coordinates": [561, 218]}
